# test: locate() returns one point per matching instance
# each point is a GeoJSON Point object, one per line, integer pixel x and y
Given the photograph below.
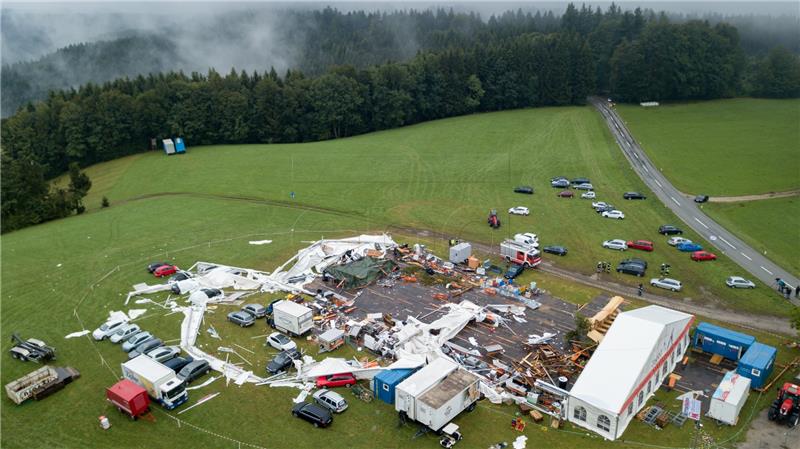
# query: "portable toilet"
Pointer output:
{"type": "Point", "coordinates": [757, 364]}
{"type": "Point", "coordinates": [169, 146]}
{"type": "Point", "coordinates": [384, 383]}
{"type": "Point", "coordinates": [180, 148]}
{"type": "Point", "coordinates": [725, 342]}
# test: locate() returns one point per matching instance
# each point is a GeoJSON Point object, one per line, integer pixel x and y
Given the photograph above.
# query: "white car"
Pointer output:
{"type": "Point", "coordinates": [617, 244]}
{"type": "Point", "coordinates": [616, 214]}
{"type": "Point", "coordinates": [281, 342]}
{"type": "Point", "coordinates": [599, 204]}
{"type": "Point", "coordinates": [519, 210]}
{"type": "Point", "coordinates": [675, 241]}
{"type": "Point", "coordinates": [739, 282]}
{"type": "Point", "coordinates": [527, 239]}
{"type": "Point", "coordinates": [667, 284]}
{"type": "Point", "coordinates": [124, 332]}
{"type": "Point", "coordinates": [590, 195]}
{"type": "Point", "coordinates": [331, 400]}
{"type": "Point", "coordinates": [108, 328]}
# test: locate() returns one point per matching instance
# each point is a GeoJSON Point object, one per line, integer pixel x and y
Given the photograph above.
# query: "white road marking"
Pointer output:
{"type": "Point", "coordinates": [729, 243]}
{"type": "Point", "coordinates": [646, 169]}
{"type": "Point", "coordinates": [766, 270]}
{"type": "Point", "coordinates": [656, 180]}
{"type": "Point", "coordinates": [695, 219]}
{"type": "Point", "coordinates": [745, 255]}
{"type": "Point", "coordinates": [636, 155]}
{"type": "Point", "coordinates": [676, 202]}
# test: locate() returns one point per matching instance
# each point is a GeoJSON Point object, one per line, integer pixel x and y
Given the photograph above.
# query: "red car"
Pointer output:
{"type": "Point", "coordinates": [698, 256]}
{"type": "Point", "coordinates": [643, 245]}
{"type": "Point", "coordinates": [566, 194]}
{"type": "Point", "coordinates": [165, 270]}
{"type": "Point", "coordinates": [336, 380]}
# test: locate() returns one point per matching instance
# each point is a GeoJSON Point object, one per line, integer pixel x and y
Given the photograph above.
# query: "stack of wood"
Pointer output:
{"type": "Point", "coordinates": [603, 319]}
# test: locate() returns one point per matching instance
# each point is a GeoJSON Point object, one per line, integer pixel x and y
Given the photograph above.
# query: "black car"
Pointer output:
{"type": "Point", "coordinates": [282, 361]}
{"type": "Point", "coordinates": [577, 181]}
{"type": "Point", "coordinates": [524, 189]}
{"type": "Point", "coordinates": [634, 261]}
{"type": "Point", "coordinates": [145, 347]}
{"type": "Point", "coordinates": [193, 370]}
{"type": "Point", "coordinates": [241, 318]}
{"type": "Point", "coordinates": [211, 292]}
{"type": "Point", "coordinates": [181, 276]}
{"type": "Point", "coordinates": [177, 363]}
{"type": "Point", "coordinates": [313, 413]}
{"type": "Point", "coordinates": [701, 198]}
{"type": "Point", "coordinates": [634, 269]}
{"type": "Point", "coordinates": [669, 230]}
{"type": "Point", "coordinates": [557, 250]}
{"type": "Point", "coordinates": [633, 196]}
{"type": "Point", "coordinates": [514, 271]}
{"type": "Point", "coordinates": [152, 267]}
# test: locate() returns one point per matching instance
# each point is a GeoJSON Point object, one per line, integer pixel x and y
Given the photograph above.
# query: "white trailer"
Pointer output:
{"type": "Point", "coordinates": [160, 382]}
{"type": "Point", "coordinates": [437, 393]}
{"type": "Point", "coordinates": [729, 398]}
{"type": "Point", "coordinates": [460, 253]}
{"type": "Point", "coordinates": [292, 318]}
{"type": "Point", "coordinates": [520, 254]}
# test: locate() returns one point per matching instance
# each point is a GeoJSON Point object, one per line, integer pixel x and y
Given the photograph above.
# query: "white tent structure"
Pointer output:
{"type": "Point", "coordinates": [638, 352]}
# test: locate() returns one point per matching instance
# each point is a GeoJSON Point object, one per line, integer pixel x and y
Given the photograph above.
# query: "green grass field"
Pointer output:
{"type": "Point", "coordinates": [722, 148]}
{"type": "Point", "coordinates": [206, 205]}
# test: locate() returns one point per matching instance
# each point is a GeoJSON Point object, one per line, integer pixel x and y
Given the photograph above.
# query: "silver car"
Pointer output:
{"type": "Point", "coordinates": [136, 340]}
{"type": "Point", "coordinates": [667, 284]}
{"type": "Point", "coordinates": [739, 282]}
{"type": "Point", "coordinates": [584, 186]}
{"type": "Point", "coordinates": [124, 333]}
{"type": "Point", "coordinates": [617, 244]}
{"type": "Point", "coordinates": [164, 353]}
{"type": "Point", "coordinates": [331, 400]}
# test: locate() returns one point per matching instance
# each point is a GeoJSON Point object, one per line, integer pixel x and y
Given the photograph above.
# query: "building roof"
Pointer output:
{"type": "Point", "coordinates": [731, 336]}
{"type": "Point", "coordinates": [429, 375]}
{"type": "Point", "coordinates": [624, 356]}
{"type": "Point", "coordinates": [732, 389]}
{"type": "Point", "coordinates": [453, 384]}
{"type": "Point", "coordinates": [393, 376]}
{"type": "Point", "coordinates": [759, 355]}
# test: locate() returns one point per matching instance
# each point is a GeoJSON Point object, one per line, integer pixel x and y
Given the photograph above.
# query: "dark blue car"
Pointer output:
{"type": "Point", "coordinates": [514, 271]}
{"type": "Point", "coordinates": [689, 247]}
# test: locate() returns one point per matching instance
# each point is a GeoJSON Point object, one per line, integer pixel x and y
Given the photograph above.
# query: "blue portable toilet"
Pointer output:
{"type": "Point", "coordinates": [725, 342]}
{"type": "Point", "coordinates": [179, 145]}
{"type": "Point", "coordinates": [757, 364]}
{"type": "Point", "coordinates": [384, 383]}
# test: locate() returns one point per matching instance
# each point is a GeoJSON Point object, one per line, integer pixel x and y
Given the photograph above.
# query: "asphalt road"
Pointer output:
{"type": "Point", "coordinates": [687, 210]}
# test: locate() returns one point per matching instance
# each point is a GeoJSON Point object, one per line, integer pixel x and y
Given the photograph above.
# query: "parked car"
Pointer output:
{"type": "Point", "coordinates": [527, 238]}
{"type": "Point", "coordinates": [584, 186]}
{"type": "Point", "coordinates": [313, 413]}
{"type": "Point", "coordinates": [590, 195]}
{"type": "Point", "coordinates": [560, 183]}
{"type": "Point", "coordinates": [688, 247]}
{"type": "Point", "coordinates": [566, 194]}
{"type": "Point", "coordinates": [633, 269]}
{"type": "Point", "coordinates": [283, 361]}
{"type": "Point", "coordinates": [124, 332]}
{"type": "Point", "coordinates": [331, 400]}
{"type": "Point", "coordinates": [617, 244]}
{"type": "Point", "coordinates": [177, 363]}
{"type": "Point", "coordinates": [513, 271]}
{"type": "Point", "coordinates": [615, 214]}
{"type": "Point", "coordinates": [600, 205]}
{"type": "Point", "coordinates": [194, 370]}
{"type": "Point", "coordinates": [165, 270]}
{"type": "Point", "coordinates": [576, 181]}
{"type": "Point", "coordinates": [669, 230]}
{"type": "Point", "coordinates": [185, 286]}
{"type": "Point", "coordinates": [135, 340]}
{"type": "Point", "coordinates": [701, 198]}
{"type": "Point", "coordinates": [108, 328]}
{"type": "Point", "coordinates": [528, 190]}
{"type": "Point", "coordinates": [152, 267]}
{"type": "Point", "coordinates": [257, 310]}
{"type": "Point", "coordinates": [280, 342]}
{"type": "Point", "coordinates": [675, 241]}
{"type": "Point", "coordinates": [336, 380]}
{"type": "Point", "coordinates": [667, 284]}
{"type": "Point", "coordinates": [519, 210]}
{"type": "Point", "coordinates": [633, 196]}
{"type": "Point", "coordinates": [644, 245]}
{"type": "Point", "coordinates": [241, 318]}
{"type": "Point", "coordinates": [555, 249]}
{"type": "Point", "coordinates": [699, 256]}
{"type": "Point", "coordinates": [145, 347]}
{"type": "Point", "coordinates": [164, 353]}
{"type": "Point", "coordinates": [635, 261]}
{"type": "Point", "coordinates": [739, 282]}
{"type": "Point", "coordinates": [556, 178]}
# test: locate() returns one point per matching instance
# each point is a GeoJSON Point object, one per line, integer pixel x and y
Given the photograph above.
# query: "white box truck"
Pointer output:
{"type": "Point", "coordinates": [160, 382]}
{"type": "Point", "coordinates": [520, 254]}
{"type": "Point", "coordinates": [437, 393]}
{"type": "Point", "coordinates": [729, 398]}
{"type": "Point", "coordinates": [292, 318]}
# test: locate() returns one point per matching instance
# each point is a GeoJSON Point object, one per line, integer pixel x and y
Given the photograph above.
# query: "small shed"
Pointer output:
{"type": "Point", "coordinates": [725, 342]}
{"type": "Point", "coordinates": [330, 340]}
{"type": "Point", "coordinates": [460, 253]}
{"type": "Point", "coordinates": [180, 147]}
{"type": "Point", "coordinates": [169, 146]}
{"type": "Point", "coordinates": [384, 383]}
{"type": "Point", "coordinates": [757, 364]}
{"type": "Point", "coordinates": [729, 398]}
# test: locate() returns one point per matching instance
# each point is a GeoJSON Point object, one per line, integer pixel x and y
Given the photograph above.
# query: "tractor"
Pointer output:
{"type": "Point", "coordinates": [494, 220]}
{"type": "Point", "coordinates": [786, 408]}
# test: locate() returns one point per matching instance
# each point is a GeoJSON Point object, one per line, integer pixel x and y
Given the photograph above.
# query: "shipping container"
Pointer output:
{"type": "Point", "coordinates": [725, 342]}
{"type": "Point", "coordinates": [757, 364]}
{"type": "Point", "coordinates": [729, 398]}
{"type": "Point", "coordinates": [385, 382]}
{"type": "Point", "coordinates": [460, 253]}
{"type": "Point", "coordinates": [292, 318]}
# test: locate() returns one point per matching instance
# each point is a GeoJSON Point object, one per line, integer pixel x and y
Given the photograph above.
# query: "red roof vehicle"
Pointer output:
{"type": "Point", "coordinates": [336, 380]}
{"type": "Point", "coordinates": [643, 245]}
{"type": "Point", "coordinates": [698, 256]}
{"type": "Point", "coordinates": [566, 194]}
{"type": "Point", "coordinates": [128, 398]}
{"type": "Point", "coordinates": [165, 270]}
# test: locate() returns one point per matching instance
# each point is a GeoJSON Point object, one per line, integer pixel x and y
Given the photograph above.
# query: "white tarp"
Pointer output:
{"type": "Point", "coordinates": [415, 340]}
{"type": "Point", "coordinates": [334, 365]}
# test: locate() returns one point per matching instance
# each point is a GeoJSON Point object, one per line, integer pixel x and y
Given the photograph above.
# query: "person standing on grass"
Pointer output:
{"type": "Point", "coordinates": [641, 289]}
